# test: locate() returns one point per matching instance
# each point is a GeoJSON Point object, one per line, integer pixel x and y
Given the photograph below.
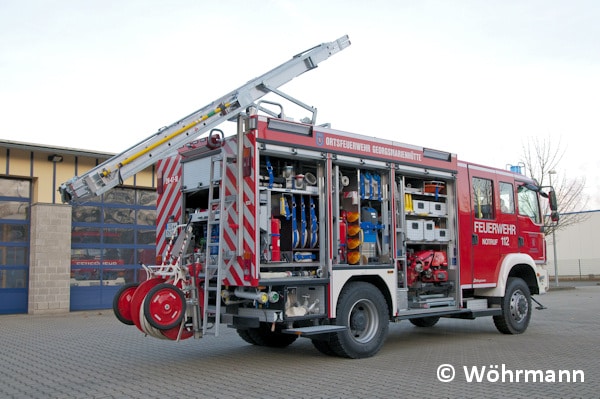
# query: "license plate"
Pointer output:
{"type": "Point", "coordinates": [171, 230]}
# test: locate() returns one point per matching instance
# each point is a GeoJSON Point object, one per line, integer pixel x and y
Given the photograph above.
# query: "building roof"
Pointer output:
{"type": "Point", "coordinates": [52, 149]}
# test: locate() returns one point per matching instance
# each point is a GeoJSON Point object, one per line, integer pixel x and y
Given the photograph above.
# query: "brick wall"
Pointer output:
{"type": "Point", "coordinates": [50, 260]}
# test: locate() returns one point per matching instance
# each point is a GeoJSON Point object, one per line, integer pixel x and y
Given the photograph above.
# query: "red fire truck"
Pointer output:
{"type": "Point", "coordinates": [288, 229]}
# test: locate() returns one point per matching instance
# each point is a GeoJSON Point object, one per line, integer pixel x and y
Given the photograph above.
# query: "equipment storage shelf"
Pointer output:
{"type": "Point", "coordinates": [289, 217]}
{"type": "Point", "coordinates": [364, 217]}
{"type": "Point", "coordinates": [425, 224]}
{"type": "Point", "coordinates": [426, 211]}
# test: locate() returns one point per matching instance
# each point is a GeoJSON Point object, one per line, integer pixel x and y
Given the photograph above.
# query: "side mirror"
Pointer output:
{"type": "Point", "coordinates": [553, 206]}
{"type": "Point", "coordinates": [552, 201]}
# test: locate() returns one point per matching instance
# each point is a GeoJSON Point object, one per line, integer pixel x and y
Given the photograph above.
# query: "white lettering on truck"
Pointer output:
{"type": "Point", "coordinates": [502, 229]}
{"type": "Point", "coordinates": [494, 228]}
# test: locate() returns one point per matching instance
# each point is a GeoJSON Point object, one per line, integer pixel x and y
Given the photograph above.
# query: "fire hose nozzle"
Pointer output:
{"type": "Point", "coordinates": [258, 296]}
{"type": "Point", "coordinates": [273, 296]}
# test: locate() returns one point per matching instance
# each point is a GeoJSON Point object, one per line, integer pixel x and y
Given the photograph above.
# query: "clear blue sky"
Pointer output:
{"type": "Point", "coordinates": [477, 78]}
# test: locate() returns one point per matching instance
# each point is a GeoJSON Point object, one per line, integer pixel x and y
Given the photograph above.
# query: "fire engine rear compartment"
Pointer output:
{"type": "Point", "coordinates": [393, 223]}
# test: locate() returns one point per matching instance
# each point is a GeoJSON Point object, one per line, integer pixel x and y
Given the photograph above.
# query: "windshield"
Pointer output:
{"type": "Point", "coordinates": [528, 204]}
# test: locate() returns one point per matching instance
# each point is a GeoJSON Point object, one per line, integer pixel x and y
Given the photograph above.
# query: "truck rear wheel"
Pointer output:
{"type": "Point", "coordinates": [245, 335]}
{"type": "Point", "coordinates": [429, 321]}
{"type": "Point", "coordinates": [362, 308]}
{"type": "Point", "coordinates": [324, 347]}
{"type": "Point", "coordinates": [263, 336]}
{"type": "Point", "coordinates": [516, 308]}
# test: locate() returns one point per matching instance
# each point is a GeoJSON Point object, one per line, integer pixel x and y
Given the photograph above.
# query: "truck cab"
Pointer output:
{"type": "Point", "coordinates": [502, 230]}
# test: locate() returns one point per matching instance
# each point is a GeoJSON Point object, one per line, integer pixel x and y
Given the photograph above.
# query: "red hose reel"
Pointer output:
{"type": "Point", "coordinates": [157, 307]}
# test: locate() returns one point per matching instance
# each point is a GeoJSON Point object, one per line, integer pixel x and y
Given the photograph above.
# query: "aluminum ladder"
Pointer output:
{"type": "Point", "coordinates": [167, 140]}
{"type": "Point", "coordinates": [217, 258]}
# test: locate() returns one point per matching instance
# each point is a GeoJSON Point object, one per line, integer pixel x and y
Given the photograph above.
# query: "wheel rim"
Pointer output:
{"type": "Point", "coordinates": [363, 321]}
{"type": "Point", "coordinates": [165, 307]}
{"type": "Point", "coordinates": [519, 307]}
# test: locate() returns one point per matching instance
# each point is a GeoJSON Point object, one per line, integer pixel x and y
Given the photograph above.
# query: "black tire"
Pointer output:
{"type": "Point", "coordinates": [121, 303]}
{"type": "Point", "coordinates": [324, 347]}
{"type": "Point", "coordinates": [263, 336]}
{"type": "Point", "coordinates": [429, 321]}
{"type": "Point", "coordinates": [362, 308]}
{"type": "Point", "coordinates": [516, 308]}
{"type": "Point", "coordinates": [245, 335]}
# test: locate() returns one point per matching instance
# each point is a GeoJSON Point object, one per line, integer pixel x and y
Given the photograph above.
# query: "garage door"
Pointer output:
{"type": "Point", "coordinates": [111, 236]}
{"type": "Point", "coordinates": [15, 201]}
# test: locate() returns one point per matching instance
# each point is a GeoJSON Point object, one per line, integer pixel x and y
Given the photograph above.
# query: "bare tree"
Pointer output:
{"type": "Point", "coordinates": [541, 158]}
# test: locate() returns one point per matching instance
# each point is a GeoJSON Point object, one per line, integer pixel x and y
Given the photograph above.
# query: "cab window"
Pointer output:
{"type": "Point", "coordinates": [528, 204]}
{"type": "Point", "coordinates": [482, 198]}
{"type": "Point", "coordinates": [507, 198]}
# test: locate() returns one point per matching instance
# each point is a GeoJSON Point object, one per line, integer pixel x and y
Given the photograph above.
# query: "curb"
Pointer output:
{"type": "Point", "coordinates": [562, 288]}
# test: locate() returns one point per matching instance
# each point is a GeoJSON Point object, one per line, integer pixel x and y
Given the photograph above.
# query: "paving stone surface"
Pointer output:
{"type": "Point", "coordinates": [93, 355]}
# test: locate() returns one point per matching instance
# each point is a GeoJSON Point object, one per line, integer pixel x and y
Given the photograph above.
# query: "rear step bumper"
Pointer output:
{"type": "Point", "coordinates": [314, 330]}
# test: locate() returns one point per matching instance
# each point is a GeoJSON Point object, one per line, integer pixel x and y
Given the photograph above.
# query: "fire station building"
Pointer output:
{"type": "Point", "coordinates": [56, 257]}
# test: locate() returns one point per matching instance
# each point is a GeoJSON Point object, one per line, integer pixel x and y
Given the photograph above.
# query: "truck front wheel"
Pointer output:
{"type": "Point", "coordinates": [362, 308]}
{"type": "Point", "coordinates": [516, 308]}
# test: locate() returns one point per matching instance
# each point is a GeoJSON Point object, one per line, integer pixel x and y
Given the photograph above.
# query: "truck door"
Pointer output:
{"type": "Point", "coordinates": [503, 218]}
{"type": "Point", "coordinates": [484, 239]}
{"type": "Point", "coordinates": [508, 228]}
{"type": "Point", "coordinates": [529, 223]}
{"type": "Point", "coordinates": [494, 215]}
